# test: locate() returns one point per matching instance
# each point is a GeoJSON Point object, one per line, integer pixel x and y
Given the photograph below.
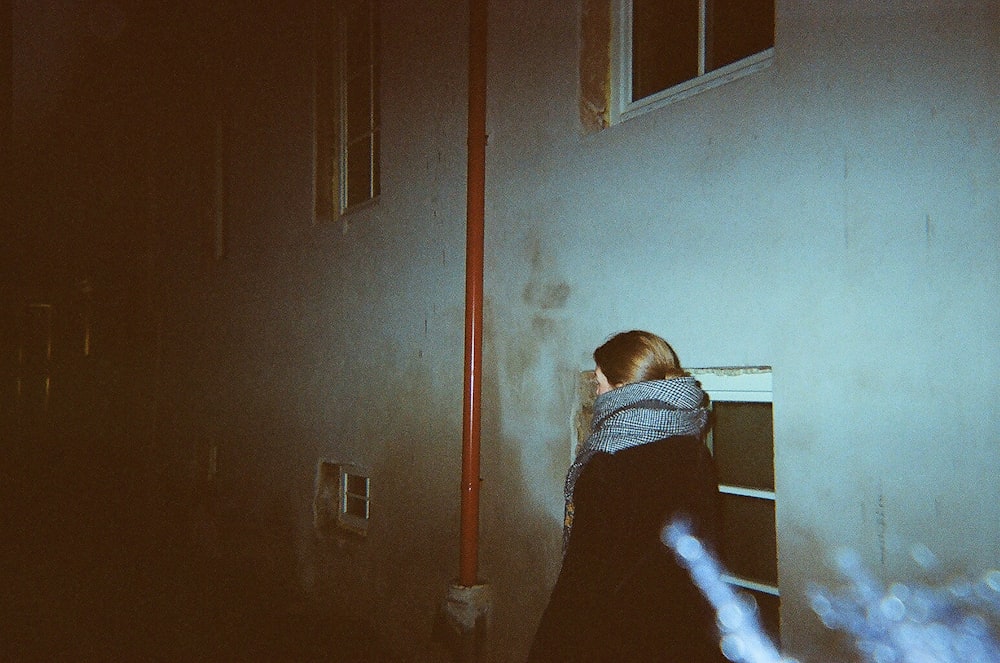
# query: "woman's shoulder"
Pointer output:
{"type": "Point", "coordinates": [671, 456]}
{"type": "Point", "coordinates": [669, 449]}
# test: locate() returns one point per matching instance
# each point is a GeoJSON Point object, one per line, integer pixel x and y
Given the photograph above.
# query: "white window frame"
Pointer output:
{"type": "Point", "coordinates": [332, 195]}
{"type": "Point", "coordinates": [330, 503]}
{"type": "Point", "coordinates": [741, 385]}
{"type": "Point", "coordinates": [624, 108]}
{"type": "Point", "coordinates": [345, 519]}
{"type": "Point", "coordinates": [374, 127]}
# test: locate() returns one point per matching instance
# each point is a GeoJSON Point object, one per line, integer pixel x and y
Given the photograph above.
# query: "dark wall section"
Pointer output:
{"type": "Point", "coordinates": [110, 513]}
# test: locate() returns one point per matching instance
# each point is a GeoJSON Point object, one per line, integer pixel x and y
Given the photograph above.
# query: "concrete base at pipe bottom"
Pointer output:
{"type": "Point", "coordinates": [463, 621]}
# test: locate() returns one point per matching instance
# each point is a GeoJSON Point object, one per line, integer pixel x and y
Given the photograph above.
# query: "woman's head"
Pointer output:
{"type": "Point", "coordinates": [636, 356]}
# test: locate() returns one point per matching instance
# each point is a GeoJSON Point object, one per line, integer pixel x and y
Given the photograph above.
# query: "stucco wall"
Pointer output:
{"type": "Point", "coordinates": [834, 216]}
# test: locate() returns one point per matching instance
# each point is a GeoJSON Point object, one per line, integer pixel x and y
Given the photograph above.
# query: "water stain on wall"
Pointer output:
{"type": "Point", "coordinates": [546, 289]}
{"type": "Point", "coordinates": [546, 296]}
{"type": "Point", "coordinates": [536, 328]}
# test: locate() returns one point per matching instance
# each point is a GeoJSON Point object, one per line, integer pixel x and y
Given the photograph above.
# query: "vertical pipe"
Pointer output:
{"type": "Point", "coordinates": [475, 212]}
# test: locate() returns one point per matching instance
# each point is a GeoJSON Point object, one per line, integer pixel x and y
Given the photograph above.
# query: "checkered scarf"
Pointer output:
{"type": "Point", "coordinates": [633, 415]}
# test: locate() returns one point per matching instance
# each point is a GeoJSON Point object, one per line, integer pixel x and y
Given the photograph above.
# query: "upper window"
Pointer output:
{"type": "Point", "coordinates": [347, 106]}
{"type": "Point", "coordinates": [670, 49]}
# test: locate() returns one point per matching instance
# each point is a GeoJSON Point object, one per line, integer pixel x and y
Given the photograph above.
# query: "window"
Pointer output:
{"type": "Point", "coordinates": [33, 382]}
{"type": "Point", "coordinates": [347, 106]}
{"type": "Point", "coordinates": [669, 49]}
{"type": "Point", "coordinates": [742, 442]}
{"type": "Point", "coordinates": [343, 498]}
{"type": "Point", "coordinates": [355, 495]}
{"type": "Point", "coordinates": [45, 354]}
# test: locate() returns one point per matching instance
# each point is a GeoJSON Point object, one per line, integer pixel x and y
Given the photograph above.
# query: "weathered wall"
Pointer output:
{"type": "Point", "coordinates": [834, 216]}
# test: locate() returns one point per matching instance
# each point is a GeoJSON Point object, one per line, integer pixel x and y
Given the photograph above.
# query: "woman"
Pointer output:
{"type": "Point", "coordinates": [620, 595]}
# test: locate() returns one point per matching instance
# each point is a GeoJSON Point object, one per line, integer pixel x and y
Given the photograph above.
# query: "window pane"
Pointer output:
{"type": "Point", "coordinates": [359, 171]}
{"type": "Point", "coordinates": [737, 29]}
{"type": "Point", "coordinates": [37, 335]}
{"type": "Point", "coordinates": [358, 106]}
{"type": "Point", "coordinates": [664, 45]}
{"type": "Point", "coordinates": [358, 50]}
{"type": "Point", "coordinates": [357, 24]}
{"type": "Point", "coordinates": [356, 506]}
{"type": "Point", "coordinates": [357, 485]}
{"type": "Point", "coordinates": [748, 547]}
{"type": "Point", "coordinates": [743, 444]}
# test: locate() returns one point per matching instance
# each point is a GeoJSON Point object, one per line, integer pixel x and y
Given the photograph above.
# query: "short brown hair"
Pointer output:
{"type": "Point", "coordinates": [637, 356]}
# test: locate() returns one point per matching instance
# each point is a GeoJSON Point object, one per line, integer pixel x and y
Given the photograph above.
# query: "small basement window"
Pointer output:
{"type": "Point", "coordinates": [343, 498]}
{"type": "Point", "coordinates": [742, 441]}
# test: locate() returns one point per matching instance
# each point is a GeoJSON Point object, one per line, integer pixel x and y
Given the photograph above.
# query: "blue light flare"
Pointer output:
{"type": "Point", "coordinates": [904, 623]}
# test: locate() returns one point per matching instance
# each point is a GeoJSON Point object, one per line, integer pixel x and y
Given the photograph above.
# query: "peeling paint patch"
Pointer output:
{"type": "Point", "coordinates": [595, 65]}
{"type": "Point", "coordinates": [734, 370]}
{"type": "Point", "coordinates": [745, 382]}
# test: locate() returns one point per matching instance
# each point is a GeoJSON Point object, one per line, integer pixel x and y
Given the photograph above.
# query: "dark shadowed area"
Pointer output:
{"type": "Point", "coordinates": [117, 549]}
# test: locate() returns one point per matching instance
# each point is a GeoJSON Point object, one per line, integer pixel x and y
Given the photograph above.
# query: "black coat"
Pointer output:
{"type": "Point", "coordinates": [621, 595]}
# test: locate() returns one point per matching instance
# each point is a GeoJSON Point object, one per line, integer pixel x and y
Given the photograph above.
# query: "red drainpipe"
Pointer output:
{"type": "Point", "coordinates": [475, 213]}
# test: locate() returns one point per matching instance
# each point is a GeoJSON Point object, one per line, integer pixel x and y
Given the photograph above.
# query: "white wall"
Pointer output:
{"type": "Point", "coordinates": [834, 216]}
